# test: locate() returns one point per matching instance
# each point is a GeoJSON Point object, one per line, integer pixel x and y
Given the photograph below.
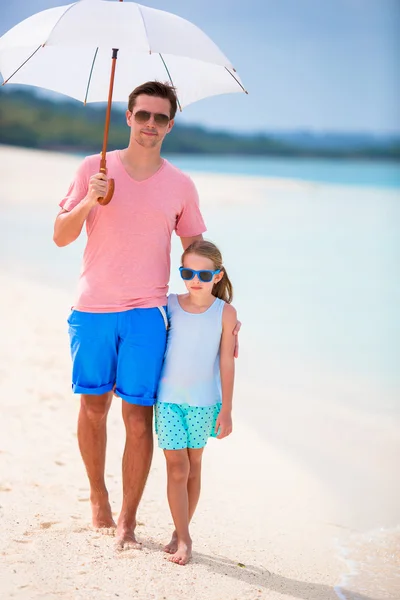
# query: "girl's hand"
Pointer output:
{"type": "Point", "coordinates": [224, 424]}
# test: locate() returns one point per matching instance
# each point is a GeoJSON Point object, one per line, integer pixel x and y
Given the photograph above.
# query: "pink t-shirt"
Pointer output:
{"type": "Point", "coordinates": [126, 263]}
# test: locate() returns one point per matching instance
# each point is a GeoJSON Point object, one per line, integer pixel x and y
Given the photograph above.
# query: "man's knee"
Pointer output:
{"type": "Point", "coordinates": [96, 407]}
{"type": "Point", "coordinates": [138, 420]}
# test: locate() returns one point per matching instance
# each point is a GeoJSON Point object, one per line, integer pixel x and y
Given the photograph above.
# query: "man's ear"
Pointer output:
{"type": "Point", "coordinates": [170, 125]}
{"type": "Point", "coordinates": [128, 115]}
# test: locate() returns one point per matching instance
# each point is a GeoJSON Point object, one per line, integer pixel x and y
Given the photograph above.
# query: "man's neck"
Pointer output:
{"type": "Point", "coordinates": [140, 158]}
{"type": "Point", "coordinates": [141, 163]}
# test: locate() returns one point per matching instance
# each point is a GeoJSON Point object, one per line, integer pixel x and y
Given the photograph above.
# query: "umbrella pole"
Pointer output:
{"type": "Point", "coordinates": [103, 165]}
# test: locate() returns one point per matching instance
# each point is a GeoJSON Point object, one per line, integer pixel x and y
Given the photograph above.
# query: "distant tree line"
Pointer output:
{"type": "Point", "coordinates": [30, 120]}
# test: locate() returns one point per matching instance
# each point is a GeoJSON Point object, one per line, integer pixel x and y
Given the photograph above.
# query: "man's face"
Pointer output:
{"type": "Point", "coordinates": [149, 134]}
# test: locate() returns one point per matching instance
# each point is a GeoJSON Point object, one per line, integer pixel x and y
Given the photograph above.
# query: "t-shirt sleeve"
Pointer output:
{"type": "Point", "coordinates": [190, 222]}
{"type": "Point", "coordinates": [78, 188]}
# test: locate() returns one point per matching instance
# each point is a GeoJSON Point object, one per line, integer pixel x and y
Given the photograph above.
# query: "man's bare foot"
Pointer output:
{"type": "Point", "coordinates": [172, 547]}
{"type": "Point", "coordinates": [125, 538]}
{"type": "Point", "coordinates": [102, 519]}
{"type": "Point", "coordinates": [183, 554]}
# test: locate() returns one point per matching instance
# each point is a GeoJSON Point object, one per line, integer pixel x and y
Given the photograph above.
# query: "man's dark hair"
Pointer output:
{"type": "Point", "coordinates": [157, 89]}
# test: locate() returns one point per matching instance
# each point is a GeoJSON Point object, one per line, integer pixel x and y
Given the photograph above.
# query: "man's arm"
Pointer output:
{"type": "Point", "coordinates": [227, 369]}
{"type": "Point", "coordinates": [68, 224]}
{"type": "Point", "coordinates": [186, 241]}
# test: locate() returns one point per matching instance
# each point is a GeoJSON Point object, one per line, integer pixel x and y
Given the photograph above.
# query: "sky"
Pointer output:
{"type": "Point", "coordinates": [311, 65]}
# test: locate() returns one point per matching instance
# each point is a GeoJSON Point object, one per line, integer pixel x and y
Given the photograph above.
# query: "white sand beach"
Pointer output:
{"type": "Point", "coordinates": [270, 524]}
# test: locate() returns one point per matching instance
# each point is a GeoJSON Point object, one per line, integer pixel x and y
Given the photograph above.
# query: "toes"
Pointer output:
{"type": "Point", "coordinates": [122, 544]}
{"type": "Point", "coordinates": [105, 530]}
{"type": "Point", "coordinates": [178, 559]}
{"type": "Point", "coordinates": [173, 558]}
{"type": "Point", "coordinates": [132, 546]}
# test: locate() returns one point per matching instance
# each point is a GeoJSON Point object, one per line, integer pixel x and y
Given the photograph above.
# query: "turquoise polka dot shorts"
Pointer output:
{"type": "Point", "coordinates": [180, 426]}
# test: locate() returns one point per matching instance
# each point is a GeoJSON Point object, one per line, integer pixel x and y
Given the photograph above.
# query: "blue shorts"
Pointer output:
{"type": "Point", "coordinates": [180, 426]}
{"type": "Point", "coordinates": [122, 349]}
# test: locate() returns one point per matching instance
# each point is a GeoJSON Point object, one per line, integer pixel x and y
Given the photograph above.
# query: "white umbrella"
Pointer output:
{"type": "Point", "coordinates": [68, 49]}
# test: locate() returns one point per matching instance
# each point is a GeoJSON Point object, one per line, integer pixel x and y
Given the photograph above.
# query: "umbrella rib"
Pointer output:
{"type": "Point", "coordinates": [90, 76]}
{"type": "Point", "coordinates": [20, 67]}
{"type": "Point", "coordinates": [59, 19]}
{"type": "Point", "coordinates": [170, 79]}
{"type": "Point", "coordinates": [237, 81]}
{"type": "Point", "coordinates": [144, 26]}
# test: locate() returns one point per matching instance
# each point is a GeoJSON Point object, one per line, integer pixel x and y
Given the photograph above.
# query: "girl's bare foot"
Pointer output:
{"type": "Point", "coordinates": [183, 553]}
{"type": "Point", "coordinates": [172, 547]}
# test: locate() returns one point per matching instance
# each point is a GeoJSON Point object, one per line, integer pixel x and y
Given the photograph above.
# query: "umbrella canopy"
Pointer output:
{"type": "Point", "coordinates": [68, 50]}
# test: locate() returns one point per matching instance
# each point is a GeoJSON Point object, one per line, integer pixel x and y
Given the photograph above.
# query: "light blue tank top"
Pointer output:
{"type": "Point", "coordinates": [190, 373]}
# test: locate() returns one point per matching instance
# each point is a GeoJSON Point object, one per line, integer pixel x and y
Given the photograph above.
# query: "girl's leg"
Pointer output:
{"type": "Point", "coordinates": [178, 468]}
{"type": "Point", "coordinates": [194, 480]}
{"type": "Point", "coordinates": [193, 491]}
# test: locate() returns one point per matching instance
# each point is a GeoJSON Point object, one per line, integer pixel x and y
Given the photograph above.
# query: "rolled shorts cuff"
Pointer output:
{"type": "Point", "coordinates": [79, 389]}
{"type": "Point", "coordinates": [140, 400]}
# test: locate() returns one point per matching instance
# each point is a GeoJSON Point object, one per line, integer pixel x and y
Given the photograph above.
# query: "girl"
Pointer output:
{"type": "Point", "coordinates": [196, 386]}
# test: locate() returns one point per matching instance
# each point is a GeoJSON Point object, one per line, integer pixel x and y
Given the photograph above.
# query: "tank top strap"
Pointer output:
{"type": "Point", "coordinates": [219, 309]}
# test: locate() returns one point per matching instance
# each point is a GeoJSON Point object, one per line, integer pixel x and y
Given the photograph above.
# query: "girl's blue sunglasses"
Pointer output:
{"type": "Point", "coordinates": [205, 276]}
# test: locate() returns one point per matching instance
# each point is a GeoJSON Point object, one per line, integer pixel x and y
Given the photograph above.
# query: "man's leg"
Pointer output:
{"type": "Point", "coordinates": [135, 468]}
{"type": "Point", "coordinates": [92, 438]}
{"type": "Point", "coordinates": [140, 354]}
{"type": "Point", "coordinates": [94, 347]}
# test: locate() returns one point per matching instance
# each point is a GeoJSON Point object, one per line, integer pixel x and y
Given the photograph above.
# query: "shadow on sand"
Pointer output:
{"type": "Point", "coordinates": [271, 581]}
{"type": "Point", "coordinates": [263, 578]}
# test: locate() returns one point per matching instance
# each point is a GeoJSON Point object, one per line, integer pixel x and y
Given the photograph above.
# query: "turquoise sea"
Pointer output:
{"type": "Point", "coordinates": [358, 173]}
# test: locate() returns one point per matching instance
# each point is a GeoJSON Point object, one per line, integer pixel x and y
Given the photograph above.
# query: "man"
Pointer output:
{"type": "Point", "coordinates": [118, 324]}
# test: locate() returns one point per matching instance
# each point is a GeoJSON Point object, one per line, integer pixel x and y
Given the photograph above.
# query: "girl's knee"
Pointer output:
{"type": "Point", "coordinates": [195, 458]}
{"type": "Point", "coordinates": [195, 470]}
{"type": "Point", "coordinates": [178, 466]}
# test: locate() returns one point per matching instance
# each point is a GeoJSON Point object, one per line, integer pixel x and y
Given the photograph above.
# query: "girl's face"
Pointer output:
{"type": "Point", "coordinates": [200, 263]}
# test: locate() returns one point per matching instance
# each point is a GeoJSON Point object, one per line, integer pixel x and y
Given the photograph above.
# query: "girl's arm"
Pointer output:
{"type": "Point", "coordinates": [227, 369]}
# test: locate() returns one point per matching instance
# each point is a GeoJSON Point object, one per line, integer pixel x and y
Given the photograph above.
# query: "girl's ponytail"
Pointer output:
{"type": "Point", "coordinates": [224, 289]}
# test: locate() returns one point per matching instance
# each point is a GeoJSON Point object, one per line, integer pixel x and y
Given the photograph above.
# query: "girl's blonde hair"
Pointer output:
{"type": "Point", "coordinates": [223, 289]}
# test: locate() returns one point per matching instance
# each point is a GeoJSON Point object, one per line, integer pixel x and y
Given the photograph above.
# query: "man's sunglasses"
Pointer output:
{"type": "Point", "coordinates": [205, 276]}
{"type": "Point", "coordinates": [142, 116]}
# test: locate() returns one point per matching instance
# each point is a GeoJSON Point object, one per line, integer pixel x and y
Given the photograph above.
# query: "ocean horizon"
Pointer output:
{"type": "Point", "coordinates": [347, 172]}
